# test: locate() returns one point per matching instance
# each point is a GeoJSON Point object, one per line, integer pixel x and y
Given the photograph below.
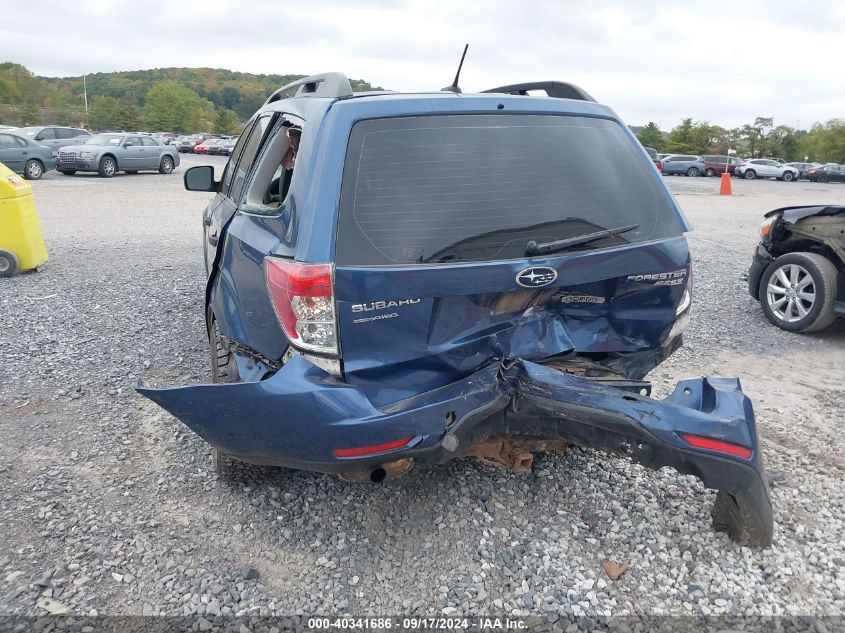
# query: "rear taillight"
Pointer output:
{"type": "Point", "coordinates": [303, 297]}
{"type": "Point", "coordinates": [718, 446]}
{"type": "Point", "coordinates": [659, 166]}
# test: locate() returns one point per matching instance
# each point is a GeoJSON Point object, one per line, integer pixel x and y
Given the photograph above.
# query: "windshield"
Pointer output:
{"type": "Point", "coordinates": [105, 139]}
{"type": "Point", "coordinates": [436, 189]}
{"type": "Point", "coordinates": [27, 132]}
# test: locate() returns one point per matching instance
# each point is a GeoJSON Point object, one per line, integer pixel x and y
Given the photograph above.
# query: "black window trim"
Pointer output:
{"type": "Point", "coordinates": [259, 157]}
{"type": "Point", "coordinates": [262, 142]}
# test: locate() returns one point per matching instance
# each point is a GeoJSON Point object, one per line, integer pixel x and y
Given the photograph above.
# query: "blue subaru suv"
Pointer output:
{"type": "Point", "coordinates": [401, 279]}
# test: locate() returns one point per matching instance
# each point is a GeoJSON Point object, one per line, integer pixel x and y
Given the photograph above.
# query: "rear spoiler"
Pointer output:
{"type": "Point", "coordinates": [555, 89]}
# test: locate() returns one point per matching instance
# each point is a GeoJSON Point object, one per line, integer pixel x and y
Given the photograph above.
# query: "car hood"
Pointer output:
{"type": "Point", "coordinates": [84, 148]}
{"type": "Point", "coordinates": [793, 214]}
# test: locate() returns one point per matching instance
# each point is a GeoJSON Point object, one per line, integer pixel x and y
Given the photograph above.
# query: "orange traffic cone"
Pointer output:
{"type": "Point", "coordinates": [725, 187]}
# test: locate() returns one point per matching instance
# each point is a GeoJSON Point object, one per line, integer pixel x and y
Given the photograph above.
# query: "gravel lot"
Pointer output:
{"type": "Point", "coordinates": [109, 505]}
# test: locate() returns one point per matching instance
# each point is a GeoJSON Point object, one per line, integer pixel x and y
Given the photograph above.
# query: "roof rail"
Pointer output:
{"type": "Point", "coordinates": [326, 85]}
{"type": "Point", "coordinates": [556, 89]}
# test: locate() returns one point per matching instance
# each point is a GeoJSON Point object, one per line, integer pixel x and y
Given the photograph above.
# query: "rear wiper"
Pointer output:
{"type": "Point", "coordinates": [533, 248]}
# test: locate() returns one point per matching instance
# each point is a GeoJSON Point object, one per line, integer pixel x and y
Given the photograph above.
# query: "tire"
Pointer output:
{"type": "Point", "coordinates": [692, 172]}
{"type": "Point", "coordinates": [749, 174]}
{"type": "Point", "coordinates": [167, 165]}
{"type": "Point", "coordinates": [108, 167]}
{"type": "Point", "coordinates": [788, 176]}
{"type": "Point", "coordinates": [798, 292]}
{"type": "Point", "coordinates": [9, 264]}
{"type": "Point", "coordinates": [67, 172]}
{"type": "Point", "coordinates": [822, 178]}
{"type": "Point", "coordinates": [223, 370]}
{"type": "Point", "coordinates": [33, 170]}
{"type": "Point", "coordinates": [709, 172]}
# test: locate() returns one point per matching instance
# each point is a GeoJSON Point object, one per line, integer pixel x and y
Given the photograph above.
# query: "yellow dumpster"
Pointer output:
{"type": "Point", "coordinates": [21, 241]}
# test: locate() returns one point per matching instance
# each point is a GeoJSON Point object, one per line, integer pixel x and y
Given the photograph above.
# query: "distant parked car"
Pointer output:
{"type": "Point", "coordinates": [716, 164]}
{"type": "Point", "coordinates": [164, 138]}
{"type": "Point", "coordinates": [206, 145]}
{"type": "Point", "coordinates": [188, 143]}
{"type": "Point", "coordinates": [54, 136]}
{"type": "Point", "coordinates": [24, 156]}
{"type": "Point", "coordinates": [217, 147]}
{"type": "Point", "coordinates": [653, 154]}
{"type": "Point", "coordinates": [683, 164]}
{"type": "Point", "coordinates": [802, 168]}
{"type": "Point", "coordinates": [827, 173]}
{"type": "Point", "coordinates": [766, 168]}
{"type": "Point", "coordinates": [228, 145]}
{"type": "Point", "coordinates": [108, 154]}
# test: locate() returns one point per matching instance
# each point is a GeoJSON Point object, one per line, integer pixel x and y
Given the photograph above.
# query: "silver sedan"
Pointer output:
{"type": "Point", "coordinates": [108, 154]}
{"type": "Point", "coordinates": [683, 164]}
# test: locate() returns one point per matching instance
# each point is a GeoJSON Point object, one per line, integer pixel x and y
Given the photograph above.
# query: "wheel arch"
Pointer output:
{"type": "Point", "coordinates": [113, 157]}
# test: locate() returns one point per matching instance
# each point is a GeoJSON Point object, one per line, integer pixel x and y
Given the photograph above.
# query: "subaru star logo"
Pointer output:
{"type": "Point", "coordinates": [536, 277]}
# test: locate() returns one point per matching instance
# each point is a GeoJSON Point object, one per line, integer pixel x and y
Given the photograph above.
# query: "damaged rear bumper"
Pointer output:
{"type": "Point", "coordinates": [303, 418]}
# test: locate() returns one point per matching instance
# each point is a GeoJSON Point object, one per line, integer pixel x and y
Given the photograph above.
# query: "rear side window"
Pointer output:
{"type": "Point", "coordinates": [242, 156]}
{"type": "Point", "coordinates": [480, 187]}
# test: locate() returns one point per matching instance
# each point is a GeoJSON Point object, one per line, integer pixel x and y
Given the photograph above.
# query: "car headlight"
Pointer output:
{"type": "Point", "coordinates": [86, 154]}
{"type": "Point", "coordinates": [766, 228]}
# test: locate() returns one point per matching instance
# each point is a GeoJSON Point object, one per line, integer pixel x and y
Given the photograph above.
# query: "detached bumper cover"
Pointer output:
{"type": "Point", "coordinates": [300, 415]}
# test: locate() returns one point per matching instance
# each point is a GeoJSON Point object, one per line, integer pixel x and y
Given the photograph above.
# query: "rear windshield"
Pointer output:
{"type": "Point", "coordinates": [479, 187]}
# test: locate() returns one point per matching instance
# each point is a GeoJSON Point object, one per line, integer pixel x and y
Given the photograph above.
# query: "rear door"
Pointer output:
{"type": "Point", "coordinates": [436, 274]}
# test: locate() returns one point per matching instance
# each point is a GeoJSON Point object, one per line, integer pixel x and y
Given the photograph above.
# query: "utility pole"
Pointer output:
{"type": "Point", "coordinates": [85, 90]}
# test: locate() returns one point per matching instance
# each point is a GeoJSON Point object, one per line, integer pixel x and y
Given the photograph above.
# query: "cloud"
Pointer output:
{"type": "Point", "coordinates": [649, 60]}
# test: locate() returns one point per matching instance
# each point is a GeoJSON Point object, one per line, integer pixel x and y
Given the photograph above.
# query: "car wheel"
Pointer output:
{"type": "Point", "coordinates": [692, 171]}
{"type": "Point", "coordinates": [822, 178]}
{"type": "Point", "coordinates": [709, 172]}
{"type": "Point", "coordinates": [166, 166]}
{"type": "Point", "coordinates": [788, 176]}
{"type": "Point", "coordinates": [223, 370]}
{"type": "Point", "coordinates": [108, 167]}
{"type": "Point", "coordinates": [798, 292]}
{"type": "Point", "coordinates": [750, 174]}
{"type": "Point", "coordinates": [9, 264]}
{"type": "Point", "coordinates": [67, 172]}
{"type": "Point", "coordinates": [33, 170]}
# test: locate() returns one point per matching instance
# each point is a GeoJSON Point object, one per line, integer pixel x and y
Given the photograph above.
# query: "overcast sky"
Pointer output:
{"type": "Point", "coordinates": [723, 62]}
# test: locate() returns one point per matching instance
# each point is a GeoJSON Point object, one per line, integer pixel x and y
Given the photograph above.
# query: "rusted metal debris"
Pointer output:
{"type": "Point", "coordinates": [514, 452]}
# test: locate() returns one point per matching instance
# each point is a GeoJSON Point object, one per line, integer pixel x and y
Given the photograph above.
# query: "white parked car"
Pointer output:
{"type": "Point", "coordinates": [766, 168]}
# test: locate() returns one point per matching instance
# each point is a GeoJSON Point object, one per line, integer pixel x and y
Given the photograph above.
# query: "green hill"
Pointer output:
{"type": "Point", "coordinates": [120, 99]}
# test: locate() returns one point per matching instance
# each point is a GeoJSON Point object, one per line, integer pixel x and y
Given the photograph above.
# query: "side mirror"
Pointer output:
{"type": "Point", "coordinates": [128, 144]}
{"type": "Point", "coordinates": [201, 178]}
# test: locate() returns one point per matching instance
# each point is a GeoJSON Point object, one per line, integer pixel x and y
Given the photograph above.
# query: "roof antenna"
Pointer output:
{"type": "Point", "coordinates": [454, 87]}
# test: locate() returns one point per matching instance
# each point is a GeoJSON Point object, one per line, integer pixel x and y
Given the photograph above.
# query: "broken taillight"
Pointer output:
{"type": "Point", "coordinates": [374, 449]}
{"type": "Point", "coordinates": [303, 297]}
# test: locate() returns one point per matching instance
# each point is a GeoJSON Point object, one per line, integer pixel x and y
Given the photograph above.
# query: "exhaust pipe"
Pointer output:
{"type": "Point", "coordinates": [388, 470]}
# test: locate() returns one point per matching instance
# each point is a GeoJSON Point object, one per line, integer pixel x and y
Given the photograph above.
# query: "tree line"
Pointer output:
{"type": "Point", "coordinates": [161, 99]}
{"type": "Point", "coordinates": [823, 142]}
